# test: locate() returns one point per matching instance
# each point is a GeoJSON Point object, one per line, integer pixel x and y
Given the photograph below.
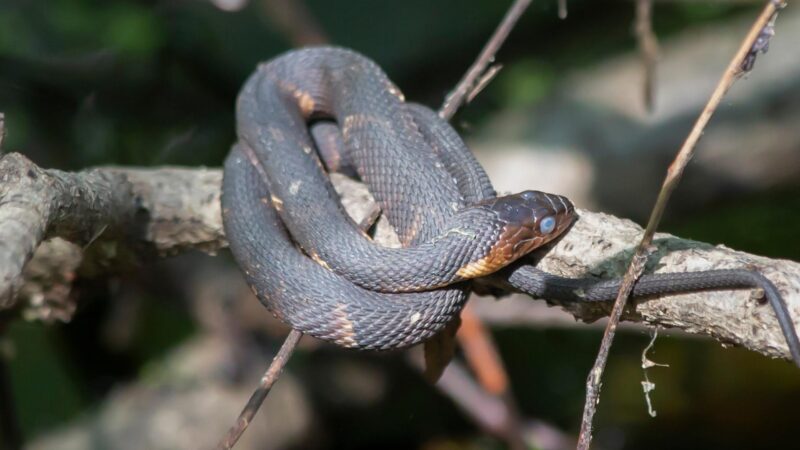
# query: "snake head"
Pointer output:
{"type": "Point", "coordinates": [531, 219]}
{"type": "Point", "coordinates": [526, 220]}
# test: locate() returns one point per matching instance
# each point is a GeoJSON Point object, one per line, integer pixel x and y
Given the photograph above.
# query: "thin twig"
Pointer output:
{"type": "Point", "coordinates": [269, 378]}
{"type": "Point", "coordinates": [456, 97]}
{"type": "Point", "coordinates": [673, 176]}
{"type": "Point", "coordinates": [2, 130]}
{"type": "Point", "coordinates": [482, 355]}
{"type": "Point", "coordinates": [484, 409]}
{"type": "Point", "coordinates": [686, 151]}
{"type": "Point", "coordinates": [648, 49]}
{"type": "Point", "coordinates": [483, 81]}
{"type": "Point", "coordinates": [295, 21]}
{"type": "Point", "coordinates": [481, 352]}
{"type": "Point", "coordinates": [369, 220]}
{"type": "Point", "coordinates": [562, 9]}
{"type": "Point", "coordinates": [488, 411]}
{"type": "Point", "coordinates": [471, 84]}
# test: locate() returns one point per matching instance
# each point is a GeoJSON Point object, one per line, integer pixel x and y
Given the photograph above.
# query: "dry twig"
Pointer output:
{"type": "Point", "coordinates": [270, 377]}
{"type": "Point", "coordinates": [483, 357]}
{"type": "Point", "coordinates": [295, 21]}
{"type": "Point", "coordinates": [490, 412]}
{"type": "Point", "coordinates": [671, 181]}
{"type": "Point", "coordinates": [481, 352]}
{"type": "Point", "coordinates": [467, 84]}
{"type": "Point", "coordinates": [648, 49]}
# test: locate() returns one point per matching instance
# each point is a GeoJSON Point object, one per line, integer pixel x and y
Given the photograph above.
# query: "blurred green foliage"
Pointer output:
{"type": "Point", "coordinates": [762, 223]}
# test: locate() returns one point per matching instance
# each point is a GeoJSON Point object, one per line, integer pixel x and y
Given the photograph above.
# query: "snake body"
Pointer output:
{"type": "Point", "coordinates": [274, 179]}
{"type": "Point", "coordinates": [313, 268]}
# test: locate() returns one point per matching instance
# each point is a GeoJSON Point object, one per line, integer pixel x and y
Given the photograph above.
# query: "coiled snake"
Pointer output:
{"type": "Point", "coordinates": [314, 269]}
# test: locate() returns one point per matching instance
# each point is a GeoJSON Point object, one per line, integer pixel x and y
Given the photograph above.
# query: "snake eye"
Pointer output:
{"type": "Point", "coordinates": [547, 225]}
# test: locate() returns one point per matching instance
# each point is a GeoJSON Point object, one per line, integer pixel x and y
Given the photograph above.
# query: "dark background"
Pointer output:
{"type": "Point", "coordinates": [148, 83]}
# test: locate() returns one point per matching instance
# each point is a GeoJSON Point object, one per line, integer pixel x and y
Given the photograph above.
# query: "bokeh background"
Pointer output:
{"type": "Point", "coordinates": [165, 356]}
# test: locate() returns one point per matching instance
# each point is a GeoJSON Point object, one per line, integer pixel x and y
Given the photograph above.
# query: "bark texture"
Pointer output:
{"type": "Point", "coordinates": [122, 217]}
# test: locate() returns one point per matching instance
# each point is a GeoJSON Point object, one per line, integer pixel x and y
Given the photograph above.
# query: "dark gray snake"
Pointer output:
{"type": "Point", "coordinates": [316, 270]}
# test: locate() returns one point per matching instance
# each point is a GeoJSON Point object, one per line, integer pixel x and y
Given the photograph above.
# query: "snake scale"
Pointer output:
{"type": "Point", "coordinates": [310, 264]}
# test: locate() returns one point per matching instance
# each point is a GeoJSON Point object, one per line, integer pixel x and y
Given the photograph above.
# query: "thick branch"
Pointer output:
{"type": "Point", "coordinates": [37, 203]}
{"type": "Point", "coordinates": [132, 213]}
{"type": "Point", "coordinates": [178, 209]}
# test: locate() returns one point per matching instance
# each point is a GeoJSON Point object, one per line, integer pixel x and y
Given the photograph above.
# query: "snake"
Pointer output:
{"type": "Point", "coordinates": [311, 110]}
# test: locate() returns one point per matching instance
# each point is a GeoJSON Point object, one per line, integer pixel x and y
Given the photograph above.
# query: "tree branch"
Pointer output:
{"type": "Point", "coordinates": [131, 213]}
{"type": "Point", "coordinates": [178, 209]}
